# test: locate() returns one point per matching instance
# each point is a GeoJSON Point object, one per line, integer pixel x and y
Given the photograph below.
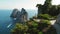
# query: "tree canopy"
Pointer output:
{"type": "Point", "coordinates": [48, 8]}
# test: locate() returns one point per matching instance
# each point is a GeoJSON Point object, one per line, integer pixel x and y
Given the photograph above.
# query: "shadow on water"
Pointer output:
{"type": "Point", "coordinates": [7, 26]}
{"type": "Point", "coordinates": [11, 25]}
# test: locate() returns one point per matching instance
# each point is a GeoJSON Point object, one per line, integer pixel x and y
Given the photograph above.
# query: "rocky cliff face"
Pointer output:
{"type": "Point", "coordinates": [21, 16]}
{"type": "Point", "coordinates": [58, 19]}
{"type": "Point", "coordinates": [14, 13]}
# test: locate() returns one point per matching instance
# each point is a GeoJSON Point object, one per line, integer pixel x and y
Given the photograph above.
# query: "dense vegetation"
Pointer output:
{"type": "Point", "coordinates": [46, 16]}
{"type": "Point", "coordinates": [33, 27]}
{"type": "Point", "coordinates": [48, 8]}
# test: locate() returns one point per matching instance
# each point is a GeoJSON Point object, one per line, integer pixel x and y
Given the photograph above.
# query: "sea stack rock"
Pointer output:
{"type": "Point", "coordinates": [22, 16]}
{"type": "Point", "coordinates": [14, 13]}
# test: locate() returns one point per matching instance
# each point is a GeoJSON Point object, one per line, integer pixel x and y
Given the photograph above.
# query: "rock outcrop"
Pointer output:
{"type": "Point", "coordinates": [57, 24]}
{"type": "Point", "coordinates": [21, 16]}
{"type": "Point", "coordinates": [58, 19]}
{"type": "Point", "coordinates": [14, 13]}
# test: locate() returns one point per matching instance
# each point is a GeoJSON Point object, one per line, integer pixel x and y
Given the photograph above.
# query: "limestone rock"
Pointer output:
{"type": "Point", "coordinates": [21, 16]}
{"type": "Point", "coordinates": [14, 13]}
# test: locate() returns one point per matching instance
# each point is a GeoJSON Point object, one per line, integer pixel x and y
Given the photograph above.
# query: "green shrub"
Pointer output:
{"type": "Point", "coordinates": [45, 21]}
{"type": "Point", "coordinates": [40, 33]}
{"type": "Point", "coordinates": [31, 27]}
{"type": "Point", "coordinates": [44, 16]}
{"type": "Point", "coordinates": [19, 29]}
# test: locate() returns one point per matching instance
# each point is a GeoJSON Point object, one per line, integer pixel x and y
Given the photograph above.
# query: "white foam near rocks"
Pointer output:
{"type": "Point", "coordinates": [9, 25]}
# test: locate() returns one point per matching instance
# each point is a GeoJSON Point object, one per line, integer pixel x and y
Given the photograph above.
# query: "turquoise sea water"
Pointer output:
{"type": "Point", "coordinates": [6, 23]}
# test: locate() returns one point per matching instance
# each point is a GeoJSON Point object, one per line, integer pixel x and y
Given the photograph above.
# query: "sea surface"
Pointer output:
{"type": "Point", "coordinates": [7, 23]}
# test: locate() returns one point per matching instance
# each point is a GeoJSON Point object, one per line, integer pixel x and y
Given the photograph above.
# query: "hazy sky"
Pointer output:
{"type": "Point", "coordinates": [27, 4]}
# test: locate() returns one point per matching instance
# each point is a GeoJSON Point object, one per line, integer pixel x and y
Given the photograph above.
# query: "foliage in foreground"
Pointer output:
{"type": "Point", "coordinates": [32, 27]}
{"type": "Point", "coordinates": [46, 16]}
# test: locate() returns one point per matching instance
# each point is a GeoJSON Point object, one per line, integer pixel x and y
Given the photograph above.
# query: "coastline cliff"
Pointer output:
{"type": "Point", "coordinates": [14, 13]}
{"type": "Point", "coordinates": [21, 16]}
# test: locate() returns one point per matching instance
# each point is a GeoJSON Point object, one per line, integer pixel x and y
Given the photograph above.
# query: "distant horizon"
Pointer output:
{"type": "Point", "coordinates": [27, 4]}
{"type": "Point", "coordinates": [18, 9]}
